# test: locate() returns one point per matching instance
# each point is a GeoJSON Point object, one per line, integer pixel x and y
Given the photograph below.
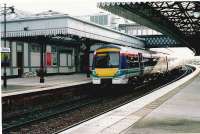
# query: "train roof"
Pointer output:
{"type": "Point", "coordinates": [127, 48]}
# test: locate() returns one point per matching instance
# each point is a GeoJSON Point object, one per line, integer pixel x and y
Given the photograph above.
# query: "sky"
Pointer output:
{"type": "Point", "coordinates": [71, 7]}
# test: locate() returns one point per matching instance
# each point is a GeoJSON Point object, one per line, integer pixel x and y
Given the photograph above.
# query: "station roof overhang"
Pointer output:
{"type": "Point", "coordinates": [66, 26]}
{"type": "Point", "coordinates": [175, 19]}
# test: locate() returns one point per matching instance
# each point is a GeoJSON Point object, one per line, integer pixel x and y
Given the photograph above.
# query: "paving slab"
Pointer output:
{"type": "Point", "coordinates": [124, 119]}
{"type": "Point", "coordinates": [180, 114]}
{"type": "Point", "coordinates": [32, 84]}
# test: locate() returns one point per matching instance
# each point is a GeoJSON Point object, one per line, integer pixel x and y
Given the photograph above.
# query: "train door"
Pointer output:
{"type": "Point", "coordinates": [141, 63]}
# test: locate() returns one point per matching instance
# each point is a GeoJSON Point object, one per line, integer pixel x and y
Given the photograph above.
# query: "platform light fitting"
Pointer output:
{"type": "Point", "coordinates": [196, 14]}
{"type": "Point", "coordinates": [12, 9]}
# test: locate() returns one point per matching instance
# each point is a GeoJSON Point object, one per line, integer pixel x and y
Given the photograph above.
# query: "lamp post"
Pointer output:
{"type": "Point", "coordinates": [6, 11]}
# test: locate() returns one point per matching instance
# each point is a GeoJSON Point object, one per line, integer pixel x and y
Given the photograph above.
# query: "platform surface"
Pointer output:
{"type": "Point", "coordinates": [172, 109]}
{"type": "Point", "coordinates": [180, 114]}
{"type": "Point", "coordinates": [32, 84]}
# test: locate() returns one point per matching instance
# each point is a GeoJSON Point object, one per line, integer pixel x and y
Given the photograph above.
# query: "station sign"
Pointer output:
{"type": "Point", "coordinates": [48, 58]}
{"type": "Point", "coordinates": [5, 50]}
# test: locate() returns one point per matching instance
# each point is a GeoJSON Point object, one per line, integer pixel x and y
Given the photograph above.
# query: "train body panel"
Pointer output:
{"type": "Point", "coordinates": [117, 64]}
{"type": "Point", "coordinates": [106, 72]}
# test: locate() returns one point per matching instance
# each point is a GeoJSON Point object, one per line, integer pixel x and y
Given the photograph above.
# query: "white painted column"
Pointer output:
{"type": "Point", "coordinates": [14, 58]}
{"type": "Point", "coordinates": [14, 54]}
{"type": "Point", "coordinates": [8, 71]}
{"type": "Point", "coordinates": [26, 57]}
{"type": "Point", "coordinates": [73, 57]}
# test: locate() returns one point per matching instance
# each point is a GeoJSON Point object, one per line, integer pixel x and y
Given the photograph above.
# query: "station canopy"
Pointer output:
{"type": "Point", "coordinates": [178, 19]}
{"type": "Point", "coordinates": [49, 24]}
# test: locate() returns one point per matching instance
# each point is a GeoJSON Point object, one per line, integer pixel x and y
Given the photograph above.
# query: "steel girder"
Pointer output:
{"type": "Point", "coordinates": [154, 41]}
{"type": "Point", "coordinates": [175, 19]}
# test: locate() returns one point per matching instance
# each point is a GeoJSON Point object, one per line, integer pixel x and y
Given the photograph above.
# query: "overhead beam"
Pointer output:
{"type": "Point", "coordinates": [146, 15]}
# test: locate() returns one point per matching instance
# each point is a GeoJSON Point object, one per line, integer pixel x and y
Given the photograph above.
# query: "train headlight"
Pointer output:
{"type": "Point", "coordinates": [94, 73]}
{"type": "Point", "coordinates": [119, 73]}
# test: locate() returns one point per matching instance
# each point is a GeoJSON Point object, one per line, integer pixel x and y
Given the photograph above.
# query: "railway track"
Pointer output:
{"type": "Point", "coordinates": [94, 98]}
{"type": "Point", "coordinates": [188, 70]}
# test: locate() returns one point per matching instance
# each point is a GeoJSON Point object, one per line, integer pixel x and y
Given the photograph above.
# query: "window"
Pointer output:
{"type": "Point", "coordinates": [92, 18]}
{"type": "Point", "coordinates": [96, 19]}
{"type": "Point", "coordinates": [134, 32]}
{"type": "Point", "coordinates": [101, 20]}
{"type": "Point", "coordinates": [35, 48]}
{"type": "Point", "coordinates": [69, 59]}
{"type": "Point", "coordinates": [54, 56]}
{"type": "Point", "coordinates": [149, 32]}
{"type": "Point", "coordinates": [63, 59]}
{"type": "Point", "coordinates": [146, 61]}
{"type": "Point", "coordinates": [105, 20]}
{"type": "Point", "coordinates": [66, 58]}
{"type": "Point", "coordinates": [139, 32]}
{"type": "Point", "coordinates": [153, 61]}
{"type": "Point", "coordinates": [132, 61]}
{"type": "Point", "coordinates": [54, 59]}
{"type": "Point", "coordinates": [19, 47]}
{"type": "Point", "coordinates": [107, 60]}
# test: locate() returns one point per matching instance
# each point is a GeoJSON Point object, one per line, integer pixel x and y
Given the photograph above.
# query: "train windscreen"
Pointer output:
{"type": "Point", "coordinates": [106, 60]}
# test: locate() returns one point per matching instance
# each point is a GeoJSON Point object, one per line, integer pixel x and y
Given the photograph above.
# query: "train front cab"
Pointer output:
{"type": "Point", "coordinates": [106, 67]}
{"type": "Point", "coordinates": [111, 66]}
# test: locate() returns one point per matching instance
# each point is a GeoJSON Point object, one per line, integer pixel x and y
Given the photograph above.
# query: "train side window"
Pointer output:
{"type": "Point", "coordinates": [153, 61]}
{"type": "Point", "coordinates": [132, 61]}
{"type": "Point", "coordinates": [146, 61]}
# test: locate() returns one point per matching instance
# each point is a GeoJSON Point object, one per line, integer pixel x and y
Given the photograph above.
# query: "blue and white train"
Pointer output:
{"type": "Point", "coordinates": [118, 64]}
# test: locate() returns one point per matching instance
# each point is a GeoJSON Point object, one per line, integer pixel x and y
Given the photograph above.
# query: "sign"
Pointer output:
{"type": "Point", "coordinates": [5, 57]}
{"type": "Point", "coordinates": [48, 59]}
{"type": "Point", "coordinates": [5, 50]}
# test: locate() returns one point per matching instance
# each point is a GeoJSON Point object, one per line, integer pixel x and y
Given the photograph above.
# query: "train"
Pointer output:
{"type": "Point", "coordinates": [119, 64]}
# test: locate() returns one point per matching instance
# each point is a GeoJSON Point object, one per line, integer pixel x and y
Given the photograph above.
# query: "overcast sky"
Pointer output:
{"type": "Point", "coordinates": [72, 7]}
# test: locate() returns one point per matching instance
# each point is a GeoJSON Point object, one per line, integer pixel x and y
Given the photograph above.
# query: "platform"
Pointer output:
{"type": "Point", "coordinates": [180, 114]}
{"type": "Point", "coordinates": [172, 109]}
{"type": "Point", "coordinates": [27, 85]}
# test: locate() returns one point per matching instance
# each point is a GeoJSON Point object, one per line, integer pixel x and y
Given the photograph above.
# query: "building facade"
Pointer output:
{"type": "Point", "coordinates": [137, 30]}
{"type": "Point", "coordinates": [118, 23]}
{"type": "Point", "coordinates": [58, 42]}
{"type": "Point", "coordinates": [105, 19]}
{"type": "Point", "coordinates": [26, 57]}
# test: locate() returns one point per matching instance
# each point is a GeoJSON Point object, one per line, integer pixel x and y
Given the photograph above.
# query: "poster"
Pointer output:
{"type": "Point", "coordinates": [5, 57]}
{"type": "Point", "coordinates": [48, 59]}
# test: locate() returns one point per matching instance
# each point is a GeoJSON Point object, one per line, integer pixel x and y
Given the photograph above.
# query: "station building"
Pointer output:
{"type": "Point", "coordinates": [61, 54]}
{"type": "Point", "coordinates": [106, 19]}
{"type": "Point", "coordinates": [59, 57]}
{"type": "Point", "coordinates": [137, 29]}
{"type": "Point", "coordinates": [25, 57]}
